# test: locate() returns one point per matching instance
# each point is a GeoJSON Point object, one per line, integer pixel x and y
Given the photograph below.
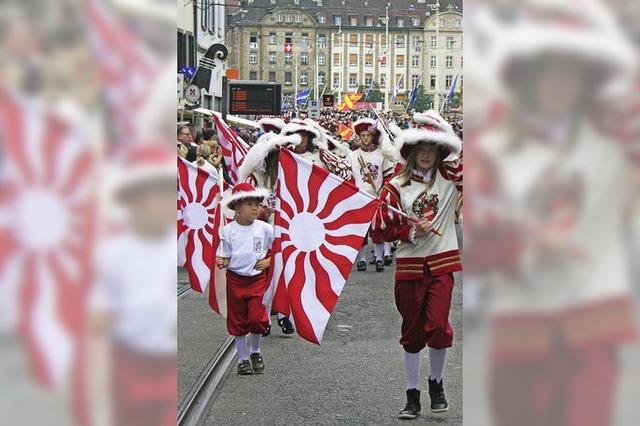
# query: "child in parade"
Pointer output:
{"type": "Point", "coordinates": [426, 188]}
{"type": "Point", "coordinates": [245, 251]}
{"type": "Point", "coordinates": [372, 164]}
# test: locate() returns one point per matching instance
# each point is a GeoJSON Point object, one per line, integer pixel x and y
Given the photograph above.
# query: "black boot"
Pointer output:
{"type": "Point", "coordinates": [362, 266]}
{"type": "Point", "coordinates": [439, 403]}
{"type": "Point", "coordinates": [379, 266]}
{"type": "Point", "coordinates": [412, 409]}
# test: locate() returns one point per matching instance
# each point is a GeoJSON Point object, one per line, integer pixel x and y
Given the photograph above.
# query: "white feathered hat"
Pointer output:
{"type": "Point", "coordinates": [268, 124]}
{"type": "Point", "coordinates": [430, 128]}
{"type": "Point", "coordinates": [243, 191]}
{"type": "Point", "coordinates": [144, 164]}
{"type": "Point", "coordinates": [311, 127]}
{"type": "Point", "coordinates": [255, 158]}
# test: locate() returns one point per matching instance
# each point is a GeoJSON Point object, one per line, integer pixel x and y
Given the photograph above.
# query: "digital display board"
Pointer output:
{"type": "Point", "coordinates": [255, 98]}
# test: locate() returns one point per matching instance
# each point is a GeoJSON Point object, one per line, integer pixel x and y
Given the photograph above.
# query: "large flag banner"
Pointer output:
{"type": "Point", "coordinates": [320, 223]}
{"type": "Point", "coordinates": [233, 147]}
{"type": "Point", "coordinates": [303, 96]}
{"type": "Point", "coordinates": [198, 198]}
{"type": "Point", "coordinates": [345, 132]}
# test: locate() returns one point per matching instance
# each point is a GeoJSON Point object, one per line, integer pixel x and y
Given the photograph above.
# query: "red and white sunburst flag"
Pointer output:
{"type": "Point", "coordinates": [47, 229]}
{"type": "Point", "coordinates": [320, 223]}
{"type": "Point", "coordinates": [198, 198]}
{"type": "Point", "coordinates": [234, 149]}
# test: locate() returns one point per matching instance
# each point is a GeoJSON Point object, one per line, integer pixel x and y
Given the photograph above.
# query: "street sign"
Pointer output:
{"type": "Point", "coordinates": [314, 109]}
{"type": "Point", "coordinates": [192, 93]}
{"type": "Point", "coordinates": [180, 86]}
{"type": "Point", "coordinates": [255, 98]}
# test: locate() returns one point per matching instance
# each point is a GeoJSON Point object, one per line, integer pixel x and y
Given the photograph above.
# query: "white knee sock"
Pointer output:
{"type": "Point", "coordinates": [377, 249]}
{"type": "Point", "coordinates": [361, 255]}
{"type": "Point", "coordinates": [437, 360]}
{"type": "Point", "coordinates": [412, 369]}
{"type": "Point", "coordinates": [241, 347]}
{"type": "Point", "coordinates": [387, 248]}
{"type": "Point", "coordinates": [255, 343]}
{"type": "Point", "coordinates": [280, 316]}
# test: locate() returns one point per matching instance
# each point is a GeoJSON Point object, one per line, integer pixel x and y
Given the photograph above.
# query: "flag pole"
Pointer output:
{"type": "Point", "coordinates": [415, 88]}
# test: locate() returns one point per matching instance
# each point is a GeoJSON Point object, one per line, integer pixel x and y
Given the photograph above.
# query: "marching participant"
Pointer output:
{"type": "Point", "coordinates": [314, 148]}
{"type": "Point", "coordinates": [245, 251]}
{"type": "Point", "coordinates": [426, 188]}
{"type": "Point", "coordinates": [372, 164]}
{"type": "Point", "coordinates": [260, 168]}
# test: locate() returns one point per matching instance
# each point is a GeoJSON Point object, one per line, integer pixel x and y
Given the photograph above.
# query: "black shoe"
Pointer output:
{"type": "Point", "coordinates": [439, 403]}
{"type": "Point", "coordinates": [394, 247]}
{"type": "Point", "coordinates": [388, 260]}
{"type": "Point", "coordinates": [362, 266]}
{"type": "Point", "coordinates": [257, 363]}
{"type": "Point", "coordinates": [286, 326]}
{"type": "Point", "coordinates": [244, 368]}
{"type": "Point", "coordinates": [412, 409]}
{"type": "Point", "coordinates": [267, 331]}
{"type": "Point", "coordinates": [379, 266]}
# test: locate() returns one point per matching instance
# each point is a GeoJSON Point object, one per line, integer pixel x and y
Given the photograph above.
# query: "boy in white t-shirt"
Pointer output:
{"type": "Point", "coordinates": [245, 250]}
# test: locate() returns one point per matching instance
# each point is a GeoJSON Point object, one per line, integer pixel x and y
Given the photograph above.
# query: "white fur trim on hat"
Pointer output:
{"type": "Point", "coordinates": [271, 122]}
{"type": "Point", "coordinates": [230, 200]}
{"type": "Point", "coordinates": [298, 125]}
{"type": "Point", "coordinates": [432, 118]}
{"type": "Point", "coordinates": [255, 158]}
{"type": "Point", "coordinates": [366, 121]}
{"type": "Point", "coordinates": [417, 135]}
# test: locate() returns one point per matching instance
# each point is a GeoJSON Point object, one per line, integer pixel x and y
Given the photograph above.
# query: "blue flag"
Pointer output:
{"type": "Point", "coordinates": [286, 103]}
{"type": "Point", "coordinates": [413, 97]}
{"type": "Point", "coordinates": [452, 89]}
{"type": "Point", "coordinates": [303, 96]}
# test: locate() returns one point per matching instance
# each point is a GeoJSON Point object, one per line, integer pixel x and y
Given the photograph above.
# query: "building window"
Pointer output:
{"type": "Point", "coordinates": [278, 18]}
{"type": "Point", "coordinates": [253, 40]}
{"type": "Point", "coordinates": [368, 79]}
{"type": "Point", "coordinates": [400, 61]}
{"type": "Point", "coordinates": [414, 80]}
{"type": "Point", "coordinates": [442, 23]}
{"type": "Point", "coordinates": [399, 82]}
{"type": "Point", "coordinates": [449, 61]}
{"type": "Point", "coordinates": [298, 18]}
{"type": "Point", "coordinates": [354, 21]}
{"type": "Point", "coordinates": [287, 77]}
{"type": "Point", "coordinates": [337, 40]}
{"type": "Point", "coordinates": [400, 22]}
{"type": "Point", "coordinates": [353, 60]}
{"type": "Point", "coordinates": [383, 40]}
{"type": "Point", "coordinates": [368, 60]}
{"type": "Point", "coordinates": [304, 40]}
{"type": "Point", "coordinates": [432, 62]}
{"type": "Point", "coordinates": [304, 58]}
{"type": "Point", "coordinates": [272, 57]}
{"type": "Point", "coordinates": [353, 80]}
{"type": "Point", "coordinates": [369, 21]}
{"type": "Point", "coordinates": [253, 57]}
{"type": "Point", "coordinates": [432, 82]}
{"type": "Point", "coordinates": [272, 77]}
{"type": "Point", "coordinates": [336, 59]}
{"type": "Point", "coordinates": [253, 75]}
{"type": "Point", "coordinates": [415, 43]}
{"type": "Point", "coordinates": [289, 18]}
{"type": "Point", "coordinates": [450, 42]}
{"type": "Point", "coordinates": [288, 58]}
{"type": "Point", "coordinates": [415, 61]}
{"type": "Point", "coordinates": [458, 22]}
{"type": "Point", "coordinates": [321, 78]}
{"type": "Point", "coordinates": [400, 42]}
{"type": "Point", "coordinates": [322, 19]}
{"type": "Point", "coordinates": [353, 40]}
{"type": "Point", "coordinates": [288, 38]}
{"type": "Point", "coordinates": [336, 80]}
{"type": "Point", "coordinates": [304, 78]}
{"type": "Point", "coordinates": [322, 41]}
{"type": "Point", "coordinates": [434, 42]}
{"type": "Point", "coordinates": [368, 41]}
{"type": "Point", "coordinates": [337, 20]}
{"type": "Point", "coordinates": [383, 80]}
{"type": "Point", "coordinates": [415, 21]}
{"type": "Point", "coordinates": [321, 58]}
{"type": "Point", "coordinates": [448, 81]}
{"type": "Point", "coordinates": [273, 39]}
